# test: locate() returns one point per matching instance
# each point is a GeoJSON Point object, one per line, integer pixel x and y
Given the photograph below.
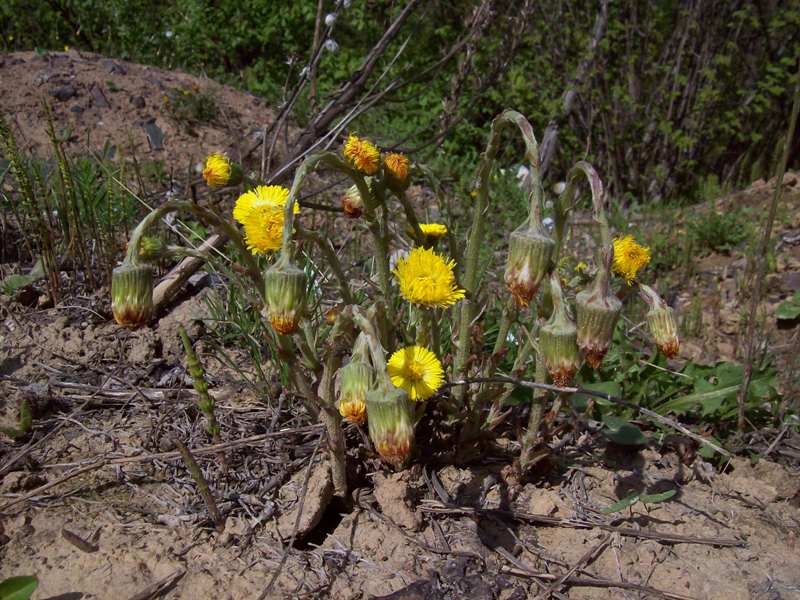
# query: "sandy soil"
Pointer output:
{"type": "Point", "coordinates": [97, 100]}
{"type": "Point", "coordinates": [131, 522]}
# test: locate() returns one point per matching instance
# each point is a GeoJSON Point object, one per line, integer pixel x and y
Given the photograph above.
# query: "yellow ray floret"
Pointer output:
{"type": "Point", "coordinates": [417, 371]}
{"type": "Point", "coordinates": [260, 211]}
{"type": "Point", "coordinates": [629, 258]}
{"type": "Point", "coordinates": [434, 230]}
{"type": "Point", "coordinates": [362, 154]}
{"type": "Point", "coordinates": [217, 170]}
{"type": "Point", "coordinates": [354, 411]}
{"type": "Point", "coordinates": [396, 165]}
{"type": "Point", "coordinates": [427, 279]}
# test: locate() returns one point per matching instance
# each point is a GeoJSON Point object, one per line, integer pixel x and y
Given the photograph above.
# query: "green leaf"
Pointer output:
{"type": "Point", "coordinates": [655, 498]}
{"type": "Point", "coordinates": [621, 504]}
{"type": "Point", "coordinates": [13, 282]}
{"type": "Point", "coordinates": [789, 309]}
{"type": "Point", "coordinates": [18, 588]}
{"type": "Point", "coordinates": [621, 432]}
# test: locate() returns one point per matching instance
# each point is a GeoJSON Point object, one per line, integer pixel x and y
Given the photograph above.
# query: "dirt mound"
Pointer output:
{"type": "Point", "coordinates": [153, 114]}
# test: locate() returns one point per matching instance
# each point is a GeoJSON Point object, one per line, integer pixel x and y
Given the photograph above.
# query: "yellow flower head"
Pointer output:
{"type": "Point", "coordinates": [396, 166]}
{"type": "Point", "coordinates": [629, 258]}
{"type": "Point", "coordinates": [417, 371]}
{"type": "Point", "coordinates": [581, 267]}
{"type": "Point", "coordinates": [433, 230]}
{"type": "Point", "coordinates": [427, 279]}
{"type": "Point", "coordinates": [362, 154]}
{"type": "Point", "coordinates": [217, 171]}
{"type": "Point", "coordinates": [260, 211]}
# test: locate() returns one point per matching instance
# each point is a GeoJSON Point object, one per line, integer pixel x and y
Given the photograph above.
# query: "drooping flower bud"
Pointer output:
{"type": "Point", "coordinates": [132, 294]}
{"type": "Point", "coordinates": [395, 169]}
{"type": "Point", "coordinates": [352, 203]}
{"type": "Point", "coordinates": [661, 321]}
{"type": "Point", "coordinates": [529, 251]}
{"type": "Point", "coordinates": [558, 339]}
{"type": "Point", "coordinates": [152, 249]}
{"type": "Point", "coordinates": [285, 296]}
{"type": "Point", "coordinates": [597, 311]}
{"type": "Point", "coordinates": [355, 379]}
{"type": "Point", "coordinates": [391, 424]}
{"type": "Point", "coordinates": [219, 171]}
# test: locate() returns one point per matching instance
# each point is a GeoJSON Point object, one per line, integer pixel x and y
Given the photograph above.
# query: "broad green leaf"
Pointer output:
{"type": "Point", "coordinates": [654, 498]}
{"type": "Point", "coordinates": [18, 588]}
{"type": "Point", "coordinates": [789, 309]}
{"type": "Point", "coordinates": [621, 432]}
{"type": "Point", "coordinates": [686, 403]}
{"type": "Point", "coordinates": [621, 504]}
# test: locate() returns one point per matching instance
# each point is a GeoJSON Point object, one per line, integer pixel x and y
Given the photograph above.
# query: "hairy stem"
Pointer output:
{"type": "Point", "coordinates": [475, 241]}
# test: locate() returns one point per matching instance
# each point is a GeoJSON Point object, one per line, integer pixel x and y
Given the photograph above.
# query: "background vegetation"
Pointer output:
{"type": "Point", "coordinates": [673, 92]}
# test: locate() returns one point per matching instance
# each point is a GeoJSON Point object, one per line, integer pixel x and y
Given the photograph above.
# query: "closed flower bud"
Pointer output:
{"type": "Point", "coordinates": [132, 294]}
{"type": "Point", "coordinates": [352, 203]}
{"type": "Point", "coordinates": [597, 311]}
{"type": "Point", "coordinates": [391, 424]}
{"type": "Point", "coordinates": [152, 249]}
{"type": "Point", "coordinates": [558, 339]}
{"type": "Point", "coordinates": [285, 296]}
{"type": "Point", "coordinates": [661, 321]}
{"type": "Point", "coordinates": [529, 251]}
{"type": "Point", "coordinates": [355, 380]}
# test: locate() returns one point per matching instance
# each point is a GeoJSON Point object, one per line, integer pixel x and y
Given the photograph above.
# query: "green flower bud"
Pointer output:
{"type": "Point", "coordinates": [391, 424]}
{"type": "Point", "coordinates": [597, 311]}
{"type": "Point", "coordinates": [152, 249]}
{"type": "Point", "coordinates": [132, 294]}
{"type": "Point", "coordinates": [352, 203]}
{"type": "Point", "coordinates": [529, 252]}
{"type": "Point", "coordinates": [661, 321]}
{"type": "Point", "coordinates": [354, 380]}
{"type": "Point", "coordinates": [558, 339]}
{"type": "Point", "coordinates": [285, 296]}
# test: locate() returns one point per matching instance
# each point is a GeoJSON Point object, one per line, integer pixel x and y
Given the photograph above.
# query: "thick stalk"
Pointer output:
{"type": "Point", "coordinates": [411, 217]}
{"type": "Point", "coordinates": [475, 240]}
{"type": "Point", "coordinates": [204, 214]}
{"type": "Point", "coordinates": [530, 439]}
{"type": "Point", "coordinates": [563, 206]}
{"type": "Point", "coordinates": [379, 239]}
{"type": "Point", "coordinates": [332, 420]}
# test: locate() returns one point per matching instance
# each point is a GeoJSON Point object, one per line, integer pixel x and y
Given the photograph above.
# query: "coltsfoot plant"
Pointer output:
{"type": "Point", "coordinates": [403, 348]}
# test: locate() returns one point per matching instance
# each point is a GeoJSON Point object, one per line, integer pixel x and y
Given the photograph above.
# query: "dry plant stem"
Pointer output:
{"type": "Point", "coordinates": [475, 240]}
{"type": "Point", "coordinates": [300, 506]}
{"type": "Point", "coordinates": [204, 214]}
{"type": "Point", "coordinates": [530, 439]}
{"type": "Point", "coordinates": [761, 261]}
{"type": "Point", "coordinates": [663, 537]}
{"type": "Point", "coordinates": [180, 273]}
{"type": "Point", "coordinates": [202, 485]}
{"type": "Point", "coordinates": [160, 587]}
